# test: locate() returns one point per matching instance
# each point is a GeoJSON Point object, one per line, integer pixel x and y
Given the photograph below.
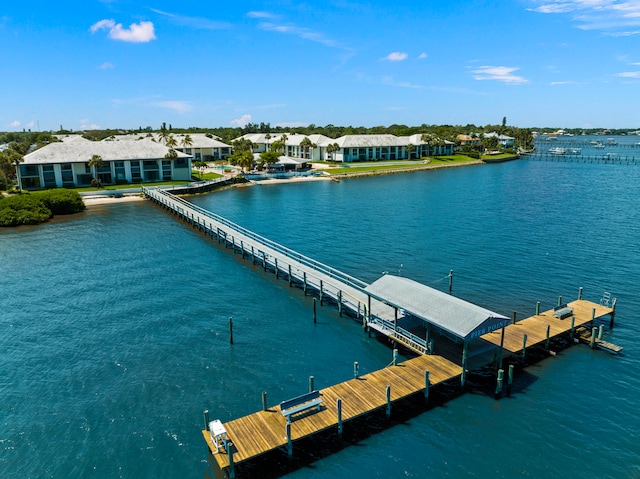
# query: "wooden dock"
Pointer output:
{"type": "Point", "coordinates": [249, 437]}
{"type": "Point", "coordinates": [265, 431]}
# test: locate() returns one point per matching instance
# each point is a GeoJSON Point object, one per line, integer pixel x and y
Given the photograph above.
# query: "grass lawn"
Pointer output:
{"type": "Point", "coordinates": [206, 176]}
{"type": "Point", "coordinates": [129, 185]}
{"type": "Point", "coordinates": [435, 161]}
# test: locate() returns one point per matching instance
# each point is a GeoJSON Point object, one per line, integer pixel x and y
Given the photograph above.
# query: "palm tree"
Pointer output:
{"type": "Point", "coordinates": [96, 162]}
{"type": "Point", "coordinates": [187, 142]}
{"type": "Point", "coordinates": [170, 141]}
{"type": "Point", "coordinates": [410, 149]}
{"type": "Point", "coordinates": [305, 144]}
{"type": "Point", "coordinates": [332, 148]}
{"type": "Point", "coordinates": [284, 139]}
{"type": "Point", "coordinates": [267, 137]}
{"type": "Point", "coordinates": [164, 133]}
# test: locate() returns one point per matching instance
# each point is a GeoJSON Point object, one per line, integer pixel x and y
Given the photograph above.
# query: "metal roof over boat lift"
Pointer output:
{"type": "Point", "coordinates": [459, 317]}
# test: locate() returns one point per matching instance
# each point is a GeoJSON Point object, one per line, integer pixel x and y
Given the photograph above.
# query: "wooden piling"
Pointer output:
{"type": "Point", "coordinates": [311, 384]}
{"type": "Point", "coordinates": [546, 343]}
{"type": "Point", "coordinates": [314, 311]}
{"type": "Point", "coordinates": [290, 277]}
{"type": "Point", "coordinates": [339, 408]}
{"type": "Point", "coordinates": [499, 382]}
{"type": "Point", "coordinates": [230, 330]}
{"type": "Point", "coordinates": [524, 346]}
{"type": "Point", "coordinates": [559, 300]}
{"type": "Point", "coordinates": [264, 401]}
{"type": "Point", "coordinates": [276, 267]}
{"type": "Point", "coordinates": [304, 282]}
{"type": "Point", "coordinates": [253, 256]}
{"type": "Point", "coordinates": [537, 308]}
{"type": "Point", "coordinates": [450, 281]}
{"type": "Point", "coordinates": [321, 292]}
{"type": "Point", "coordinates": [515, 315]}
{"type": "Point", "coordinates": [340, 303]}
{"type": "Point", "coordinates": [356, 370]}
{"type": "Point", "coordinates": [573, 328]}
{"type": "Point", "coordinates": [613, 313]}
{"type": "Point", "coordinates": [600, 331]}
{"type": "Point", "coordinates": [594, 332]}
{"type": "Point", "coordinates": [264, 260]}
{"type": "Point", "coordinates": [427, 383]}
{"type": "Point", "coordinates": [232, 469]}
{"type": "Point", "coordinates": [206, 419]}
{"type": "Point", "coordinates": [289, 444]}
{"type": "Point", "coordinates": [394, 356]}
{"type": "Point", "coordinates": [388, 394]}
{"type": "Point", "coordinates": [580, 293]}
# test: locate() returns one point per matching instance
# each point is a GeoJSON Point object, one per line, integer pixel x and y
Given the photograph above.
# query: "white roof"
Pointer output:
{"type": "Point", "coordinates": [72, 137]}
{"type": "Point", "coordinates": [461, 318]}
{"type": "Point", "coordinates": [199, 140]}
{"type": "Point", "coordinates": [82, 151]}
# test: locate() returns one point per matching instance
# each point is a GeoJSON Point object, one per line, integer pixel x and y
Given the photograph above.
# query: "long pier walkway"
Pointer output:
{"type": "Point", "coordinates": [331, 284]}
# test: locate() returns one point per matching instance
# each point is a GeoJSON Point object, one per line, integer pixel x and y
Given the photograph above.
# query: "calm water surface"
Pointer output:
{"type": "Point", "coordinates": [114, 324]}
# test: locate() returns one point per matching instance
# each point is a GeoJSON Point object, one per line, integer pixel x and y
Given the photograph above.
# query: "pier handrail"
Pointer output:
{"type": "Point", "coordinates": [288, 252]}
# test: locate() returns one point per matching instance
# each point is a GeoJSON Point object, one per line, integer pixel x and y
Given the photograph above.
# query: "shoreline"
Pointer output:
{"type": "Point", "coordinates": [98, 200]}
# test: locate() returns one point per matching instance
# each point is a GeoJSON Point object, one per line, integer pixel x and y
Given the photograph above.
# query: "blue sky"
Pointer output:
{"type": "Point", "coordinates": [129, 64]}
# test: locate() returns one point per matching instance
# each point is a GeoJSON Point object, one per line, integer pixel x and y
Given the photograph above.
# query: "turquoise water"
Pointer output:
{"type": "Point", "coordinates": [114, 324]}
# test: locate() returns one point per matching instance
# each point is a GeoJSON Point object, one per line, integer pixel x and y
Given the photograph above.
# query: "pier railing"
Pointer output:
{"type": "Point", "coordinates": [195, 213]}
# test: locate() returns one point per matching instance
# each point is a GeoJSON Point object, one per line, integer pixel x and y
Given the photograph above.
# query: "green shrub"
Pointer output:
{"type": "Point", "coordinates": [471, 154]}
{"type": "Point", "coordinates": [23, 210]}
{"type": "Point", "coordinates": [61, 201]}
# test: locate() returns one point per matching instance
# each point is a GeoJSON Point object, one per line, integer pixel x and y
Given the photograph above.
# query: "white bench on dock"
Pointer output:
{"type": "Point", "coordinates": [562, 311]}
{"type": "Point", "coordinates": [301, 403]}
{"type": "Point", "coordinates": [218, 435]}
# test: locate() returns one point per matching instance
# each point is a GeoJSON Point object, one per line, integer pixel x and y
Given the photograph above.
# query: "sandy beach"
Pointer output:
{"type": "Point", "coordinates": [107, 200]}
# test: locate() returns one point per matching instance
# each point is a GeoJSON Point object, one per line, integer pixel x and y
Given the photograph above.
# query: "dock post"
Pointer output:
{"type": "Point", "coordinates": [340, 303]}
{"type": "Point", "coordinates": [515, 315]}
{"type": "Point", "coordinates": [311, 384]}
{"type": "Point", "coordinates": [339, 407]}
{"type": "Point", "coordinates": [510, 379]}
{"type": "Point", "coordinates": [276, 262]}
{"type": "Point", "coordinates": [593, 315]}
{"type": "Point", "coordinates": [463, 374]}
{"type": "Point", "coordinates": [388, 393]}
{"type": "Point", "coordinates": [304, 282]}
{"type": "Point", "coordinates": [206, 419]}
{"type": "Point", "coordinates": [450, 281]}
{"type": "Point", "coordinates": [546, 343]}
{"type": "Point", "coordinates": [499, 382]}
{"type": "Point", "coordinates": [242, 248]}
{"type": "Point", "coordinates": [394, 361]}
{"type": "Point", "coordinates": [580, 293]}
{"type": "Point", "coordinates": [321, 292]}
{"type": "Point", "coordinates": [573, 323]}
{"type": "Point", "coordinates": [290, 278]}
{"type": "Point", "coordinates": [613, 313]}
{"type": "Point", "coordinates": [230, 330]}
{"type": "Point", "coordinates": [427, 383]}
{"type": "Point", "coordinates": [264, 401]}
{"type": "Point", "coordinates": [594, 332]}
{"type": "Point", "coordinates": [559, 300]}
{"type": "Point", "coordinates": [537, 308]}
{"type": "Point", "coordinates": [524, 346]}
{"type": "Point", "coordinates": [264, 260]}
{"type": "Point", "coordinates": [289, 444]}
{"type": "Point", "coordinates": [232, 469]}
{"type": "Point", "coordinates": [356, 369]}
{"type": "Point", "coordinates": [314, 311]}
{"type": "Point", "coordinates": [600, 331]}
{"type": "Point", "coordinates": [253, 256]}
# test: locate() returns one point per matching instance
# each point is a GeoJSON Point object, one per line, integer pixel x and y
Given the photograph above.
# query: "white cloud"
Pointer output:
{"type": "Point", "coordinates": [15, 124]}
{"type": "Point", "coordinates": [175, 105]}
{"type": "Point", "coordinates": [402, 84]}
{"type": "Point", "coordinates": [136, 33]}
{"type": "Point", "coordinates": [86, 125]}
{"type": "Point", "coordinates": [242, 121]}
{"type": "Point", "coordinates": [611, 15]}
{"type": "Point", "coordinates": [396, 57]}
{"type": "Point", "coordinates": [106, 66]}
{"type": "Point", "coordinates": [422, 56]}
{"type": "Point", "coordinates": [501, 73]}
{"type": "Point", "coordinates": [259, 15]}
{"type": "Point", "coordinates": [629, 74]}
{"type": "Point", "coordinates": [566, 82]}
{"type": "Point", "coordinates": [301, 32]}
{"type": "Point", "coordinates": [193, 22]}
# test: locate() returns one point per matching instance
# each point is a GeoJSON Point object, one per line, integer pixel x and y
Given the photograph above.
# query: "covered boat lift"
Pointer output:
{"type": "Point", "coordinates": [447, 315]}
